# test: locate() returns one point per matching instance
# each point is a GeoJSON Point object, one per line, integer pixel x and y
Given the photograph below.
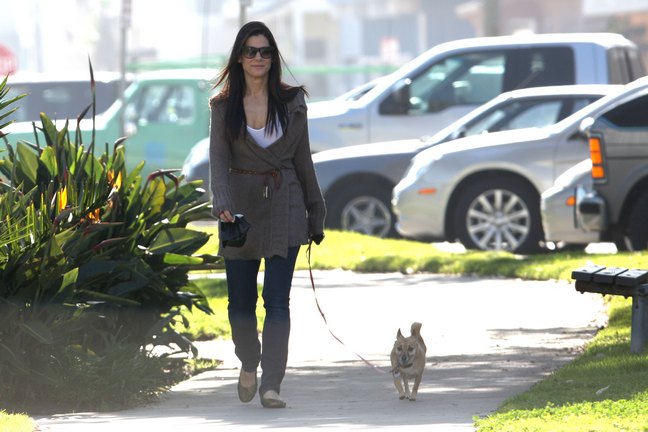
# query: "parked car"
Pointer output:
{"type": "Point", "coordinates": [560, 222]}
{"type": "Point", "coordinates": [617, 208]}
{"type": "Point", "coordinates": [451, 79]}
{"type": "Point", "coordinates": [164, 114]}
{"type": "Point", "coordinates": [61, 96]}
{"type": "Point", "coordinates": [485, 190]}
{"type": "Point", "coordinates": [357, 181]}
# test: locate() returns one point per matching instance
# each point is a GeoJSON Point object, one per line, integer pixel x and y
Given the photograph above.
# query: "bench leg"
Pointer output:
{"type": "Point", "coordinates": [639, 328]}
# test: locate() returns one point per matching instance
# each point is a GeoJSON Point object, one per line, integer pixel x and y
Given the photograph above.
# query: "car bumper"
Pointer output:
{"type": "Point", "coordinates": [560, 220]}
{"type": "Point", "coordinates": [591, 211]}
{"type": "Point", "coordinates": [419, 215]}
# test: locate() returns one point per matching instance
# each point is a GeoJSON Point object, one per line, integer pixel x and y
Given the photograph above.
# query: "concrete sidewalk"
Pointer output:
{"type": "Point", "coordinates": [487, 340]}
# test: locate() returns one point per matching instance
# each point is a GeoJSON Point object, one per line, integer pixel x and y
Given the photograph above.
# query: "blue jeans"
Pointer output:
{"type": "Point", "coordinates": [241, 309]}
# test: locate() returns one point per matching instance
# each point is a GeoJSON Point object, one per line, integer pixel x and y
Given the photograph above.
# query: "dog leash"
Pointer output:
{"type": "Point", "coordinates": [319, 308]}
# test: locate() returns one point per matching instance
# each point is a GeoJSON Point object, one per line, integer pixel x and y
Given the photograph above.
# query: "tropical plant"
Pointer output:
{"type": "Point", "coordinates": [93, 258]}
{"type": "Point", "coordinates": [6, 103]}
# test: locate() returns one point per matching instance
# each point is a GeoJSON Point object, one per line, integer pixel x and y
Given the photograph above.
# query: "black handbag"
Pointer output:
{"type": "Point", "coordinates": [233, 234]}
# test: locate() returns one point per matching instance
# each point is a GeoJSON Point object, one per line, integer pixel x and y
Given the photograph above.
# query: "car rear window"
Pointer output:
{"type": "Point", "coordinates": [60, 99]}
{"type": "Point", "coordinates": [539, 67]}
{"type": "Point", "coordinates": [629, 114]}
{"type": "Point", "coordinates": [624, 65]}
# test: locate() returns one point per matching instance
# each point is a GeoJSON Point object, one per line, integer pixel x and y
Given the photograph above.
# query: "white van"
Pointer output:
{"type": "Point", "coordinates": [451, 79]}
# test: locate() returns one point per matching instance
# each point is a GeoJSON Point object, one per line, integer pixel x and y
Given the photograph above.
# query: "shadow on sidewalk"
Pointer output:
{"type": "Point", "coordinates": [349, 394]}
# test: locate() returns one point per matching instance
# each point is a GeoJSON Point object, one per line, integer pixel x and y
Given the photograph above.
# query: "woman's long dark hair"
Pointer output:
{"type": "Point", "coordinates": [233, 81]}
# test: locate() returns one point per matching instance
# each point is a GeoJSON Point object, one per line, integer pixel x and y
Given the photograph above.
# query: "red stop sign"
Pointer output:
{"type": "Point", "coordinates": [8, 64]}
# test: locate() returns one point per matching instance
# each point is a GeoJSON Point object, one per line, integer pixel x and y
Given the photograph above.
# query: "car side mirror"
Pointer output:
{"type": "Point", "coordinates": [585, 125]}
{"type": "Point", "coordinates": [583, 129]}
{"type": "Point", "coordinates": [458, 133]}
{"type": "Point", "coordinates": [398, 102]}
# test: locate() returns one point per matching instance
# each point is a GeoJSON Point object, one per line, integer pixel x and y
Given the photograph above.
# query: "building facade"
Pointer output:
{"type": "Point", "coordinates": [329, 45]}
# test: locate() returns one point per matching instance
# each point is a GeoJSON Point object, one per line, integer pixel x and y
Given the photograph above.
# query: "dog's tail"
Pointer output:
{"type": "Point", "coordinates": [416, 331]}
{"type": "Point", "coordinates": [416, 328]}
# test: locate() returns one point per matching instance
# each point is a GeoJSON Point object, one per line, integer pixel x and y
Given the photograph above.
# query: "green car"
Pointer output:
{"type": "Point", "coordinates": [163, 114]}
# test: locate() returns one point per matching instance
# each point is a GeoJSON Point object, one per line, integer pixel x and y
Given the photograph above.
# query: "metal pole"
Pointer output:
{"type": "Point", "coordinates": [243, 4]}
{"type": "Point", "coordinates": [205, 32]}
{"type": "Point", "coordinates": [491, 17]}
{"type": "Point", "coordinates": [125, 24]}
{"type": "Point", "coordinates": [639, 327]}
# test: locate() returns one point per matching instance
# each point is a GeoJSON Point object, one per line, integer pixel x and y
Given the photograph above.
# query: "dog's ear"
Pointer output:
{"type": "Point", "coordinates": [399, 335]}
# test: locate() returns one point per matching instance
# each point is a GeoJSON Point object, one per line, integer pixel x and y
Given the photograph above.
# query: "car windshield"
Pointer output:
{"type": "Point", "coordinates": [594, 108]}
{"type": "Point", "coordinates": [516, 114]}
{"type": "Point", "coordinates": [527, 113]}
{"type": "Point", "coordinates": [357, 92]}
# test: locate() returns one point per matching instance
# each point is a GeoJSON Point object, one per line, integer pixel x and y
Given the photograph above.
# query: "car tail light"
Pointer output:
{"type": "Point", "coordinates": [596, 154]}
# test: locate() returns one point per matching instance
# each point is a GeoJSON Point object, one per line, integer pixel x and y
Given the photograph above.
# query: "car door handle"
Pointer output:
{"type": "Point", "coordinates": [349, 126]}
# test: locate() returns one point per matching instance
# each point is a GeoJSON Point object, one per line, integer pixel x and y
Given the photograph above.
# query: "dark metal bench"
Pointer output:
{"type": "Point", "coordinates": [624, 282]}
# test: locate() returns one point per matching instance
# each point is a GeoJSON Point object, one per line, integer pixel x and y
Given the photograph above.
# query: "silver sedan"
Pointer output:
{"type": "Point", "coordinates": [485, 190]}
{"type": "Point", "coordinates": [357, 181]}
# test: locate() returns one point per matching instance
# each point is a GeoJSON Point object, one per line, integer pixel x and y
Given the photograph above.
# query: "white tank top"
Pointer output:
{"type": "Point", "coordinates": [262, 139]}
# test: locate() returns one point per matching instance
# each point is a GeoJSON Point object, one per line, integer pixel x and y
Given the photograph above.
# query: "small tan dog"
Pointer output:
{"type": "Point", "coordinates": [408, 361]}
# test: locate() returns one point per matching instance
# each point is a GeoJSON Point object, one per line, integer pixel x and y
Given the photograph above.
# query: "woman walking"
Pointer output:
{"type": "Point", "coordinates": [261, 167]}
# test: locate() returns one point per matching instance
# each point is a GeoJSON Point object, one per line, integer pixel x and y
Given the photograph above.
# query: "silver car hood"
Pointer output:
{"type": "Point", "coordinates": [330, 108]}
{"type": "Point", "coordinates": [486, 140]}
{"type": "Point", "coordinates": [375, 149]}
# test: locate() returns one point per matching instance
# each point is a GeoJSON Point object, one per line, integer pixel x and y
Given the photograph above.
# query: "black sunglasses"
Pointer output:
{"type": "Point", "coordinates": [251, 52]}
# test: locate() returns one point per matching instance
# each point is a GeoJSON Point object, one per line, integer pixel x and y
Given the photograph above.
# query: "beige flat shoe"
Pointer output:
{"type": "Point", "coordinates": [271, 399]}
{"type": "Point", "coordinates": [246, 394]}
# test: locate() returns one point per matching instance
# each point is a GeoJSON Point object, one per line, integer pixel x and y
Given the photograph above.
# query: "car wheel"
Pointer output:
{"type": "Point", "coordinates": [363, 209]}
{"type": "Point", "coordinates": [621, 241]}
{"type": "Point", "coordinates": [634, 237]}
{"type": "Point", "coordinates": [495, 214]}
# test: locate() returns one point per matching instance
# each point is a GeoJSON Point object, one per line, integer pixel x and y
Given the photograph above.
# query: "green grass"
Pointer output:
{"type": "Point", "coordinates": [216, 326]}
{"type": "Point", "coordinates": [351, 251]}
{"type": "Point", "coordinates": [604, 389]}
{"type": "Point", "coordinates": [16, 422]}
{"type": "Point", "coordinates": [203, 326]}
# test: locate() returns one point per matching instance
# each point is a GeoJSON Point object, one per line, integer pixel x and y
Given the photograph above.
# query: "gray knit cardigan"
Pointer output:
{"type": "Point", "coordinates": [284, 209]}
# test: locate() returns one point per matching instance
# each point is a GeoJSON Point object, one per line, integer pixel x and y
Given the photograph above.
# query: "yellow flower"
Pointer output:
{"type": "Point", "coordinates": [94, 215]}
{"type": "Point", "coordinates": [117, 182]}
{"type": "Point", "coordinates": [62, 198]}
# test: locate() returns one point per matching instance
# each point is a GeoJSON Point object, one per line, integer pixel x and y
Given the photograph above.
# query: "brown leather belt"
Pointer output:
{"type": "Point", "coordinates": [275, 174]}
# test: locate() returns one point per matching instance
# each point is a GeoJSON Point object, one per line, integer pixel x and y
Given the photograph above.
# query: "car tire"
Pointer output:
{"type": "Point", "coordinates": [361, 208]}
{"type": "Point", "coordinates": [634, 237]}
{"type": "Point", "coordinates": [499, 214]}
{"type": "Point", "coordinates": [621, 241]}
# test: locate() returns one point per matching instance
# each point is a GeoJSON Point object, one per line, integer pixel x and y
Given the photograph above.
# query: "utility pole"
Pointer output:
{"type": "Point", "coordinates": [205, 33]}
{"type": "Point", "coordinates": [125, 23]}
{"type": "Point", "coordinates": [491, 17]}
{"type": "Point", "coordinates": [244, 4]}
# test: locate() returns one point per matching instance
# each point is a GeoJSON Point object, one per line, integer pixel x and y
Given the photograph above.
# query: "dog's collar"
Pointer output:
{"type": "Point", "coordinates": [408, 365]}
